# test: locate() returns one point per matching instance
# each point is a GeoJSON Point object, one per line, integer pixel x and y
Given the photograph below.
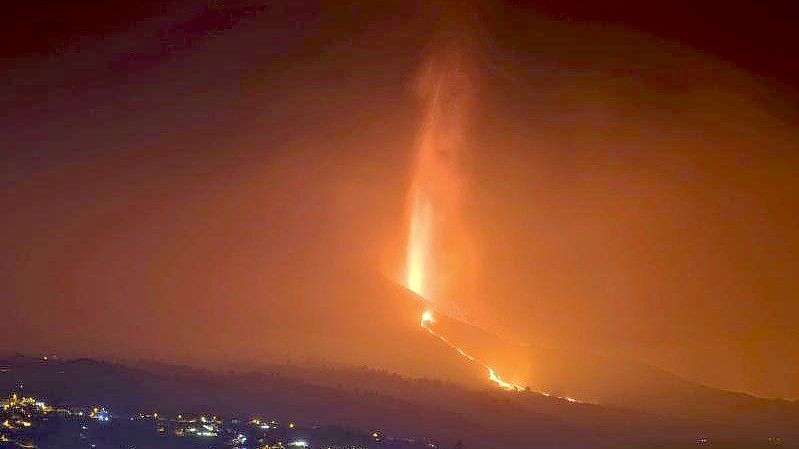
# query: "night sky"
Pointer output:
{"type": "Point", "coordinates": [208, 181]}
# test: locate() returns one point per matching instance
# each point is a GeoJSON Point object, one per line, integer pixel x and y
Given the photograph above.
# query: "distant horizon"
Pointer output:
{"type": "Point", "coordinates": [251, 366]}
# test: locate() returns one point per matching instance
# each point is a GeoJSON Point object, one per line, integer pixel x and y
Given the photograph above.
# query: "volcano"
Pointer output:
{"type": "Point", "coordinates": [385, 315]}
{"type": "Point", "coordinates": [412, 383]}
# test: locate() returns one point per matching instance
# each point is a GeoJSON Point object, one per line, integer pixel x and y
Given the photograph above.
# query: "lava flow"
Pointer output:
{"type": "Point", "coordinates": [427, 320]}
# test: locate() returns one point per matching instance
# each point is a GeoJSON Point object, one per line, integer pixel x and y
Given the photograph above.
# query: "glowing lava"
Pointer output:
{"type": "Point", "coordinates": [439, 262]}
{"type": "Point", "coordinates": [438, 255]}
{"type": "Point", "coordinates": [427, 320]}
{"type": "Point", "coordinates": [438, 250]}
{"type": "Point", "coordinates": [418, 245]}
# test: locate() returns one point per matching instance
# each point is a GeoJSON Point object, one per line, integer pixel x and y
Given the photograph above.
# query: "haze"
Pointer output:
{"type": "Point", "coordinates": [210, 184]}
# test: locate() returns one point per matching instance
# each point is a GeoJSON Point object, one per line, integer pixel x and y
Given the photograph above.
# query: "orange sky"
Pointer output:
{"type": "Point", "coordinates": [623, 193]}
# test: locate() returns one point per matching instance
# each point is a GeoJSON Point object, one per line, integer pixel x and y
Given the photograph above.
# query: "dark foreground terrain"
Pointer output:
{"type": "Point", "coordinates": [28, 422]}
{"type": "Point", "coordinates": [356, 401]}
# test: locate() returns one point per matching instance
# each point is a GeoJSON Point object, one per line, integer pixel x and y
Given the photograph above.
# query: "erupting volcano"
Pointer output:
{"type": "Point", "coordinates": [439, 253]}
{"type": "Point", "coordinates": [438, 250]}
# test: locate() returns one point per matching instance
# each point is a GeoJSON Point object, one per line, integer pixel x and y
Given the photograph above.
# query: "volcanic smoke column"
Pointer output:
{"type": "Point", "coordinates": [438, 253]}
{"type": "Point", "coordinates": [439, 262]}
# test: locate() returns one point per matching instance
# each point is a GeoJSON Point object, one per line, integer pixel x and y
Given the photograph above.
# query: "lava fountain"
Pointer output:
{"type": "Point", "coordinates": [438, 252]}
